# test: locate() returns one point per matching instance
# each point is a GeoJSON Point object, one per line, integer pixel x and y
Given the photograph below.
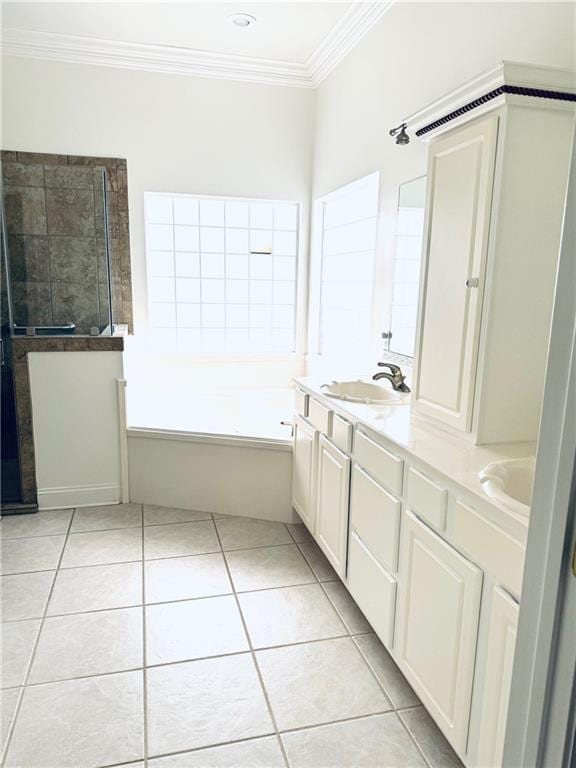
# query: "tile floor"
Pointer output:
{"type": "Point", "coordinates": [151, 636]}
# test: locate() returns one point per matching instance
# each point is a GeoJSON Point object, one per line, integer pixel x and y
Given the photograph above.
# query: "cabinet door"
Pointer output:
{"type": "Point", "coordinates": [304, 472]}
{"type": "Point", "coordinates": [332, 504]}
{"type": "Point", "coordinates": [497, 679]}
{"type": "Point", "coordinates": [460, 175]}
{"type": "Point", "coordinates": [437, 626]}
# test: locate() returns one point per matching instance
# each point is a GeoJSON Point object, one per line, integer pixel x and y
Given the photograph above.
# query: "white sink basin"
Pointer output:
{"type": "Point", "coordinates": [510, 482]}
{"type": "Point", "coordinates": [364, 392]}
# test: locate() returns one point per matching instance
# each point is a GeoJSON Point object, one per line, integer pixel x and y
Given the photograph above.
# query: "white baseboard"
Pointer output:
{"type": "Point", "coordinates": [78, 496]}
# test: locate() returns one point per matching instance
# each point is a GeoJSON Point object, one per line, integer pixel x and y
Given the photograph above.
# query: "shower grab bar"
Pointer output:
{"type": "Point", "coordinates": [31, 330]}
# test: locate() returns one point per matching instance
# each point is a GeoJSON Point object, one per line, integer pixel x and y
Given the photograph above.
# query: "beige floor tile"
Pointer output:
{"type": "Point", "coordinates": [91, 722]}
{"type": "Point", "coordinates": [18, 640]}
{"type": "Point", "coordinates": [8, 704]}
{"type": "Point", "coordinates": [24, 555]}
{"type": "Point", "coordinates": [299, 532]}
{"type": "Point", "coordinates": [184, 578]}
{"type": "Point", "coordinates": [268, 567]}
{"type": "Point", "coordinates": [162, 541]}
{"type": "Point", "coordinates": [103, 547]}
{"type": "Point", "coordinates": [194, 629]}
{"type": "Point", "coordinates": [289, 615]}
{"type": "Point", "coordinates": [244, 533]}
{"type": "Point", "coordinates": [319, 682]}
{"type": "Point", "coordinates": [84, 644]}
{"type": "Point", "coordinates": [347, 609]}
{"type": "Point", "coordinates": [96, 587]}
{"type": "Point", "coordinates": [204, 703]}
{"type": "Point", "coordinates": [47, 523]}
{"type": "Point", "coordinates": [24, 595]}
{"type": "Point", "coordinates": [154, 515]}
{"type": "Point", "coordinates": [317, 561]}
{"type": "Point", "coordinates": [256, 753]}
{"type": "Point", "coordinates": [430, 739]}
{"type": "Point", "coordinates": [103, 518]}
{"type": "Point", "coordinates": [384, 667]}
{"type": "Point", "coordinates": [379, 741]}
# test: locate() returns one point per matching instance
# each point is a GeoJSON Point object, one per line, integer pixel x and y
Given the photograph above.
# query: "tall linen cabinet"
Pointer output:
{"type": "Point", "coordinates": [497, 177]}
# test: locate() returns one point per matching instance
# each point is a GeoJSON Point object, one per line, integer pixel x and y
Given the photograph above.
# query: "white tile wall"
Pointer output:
{"type": "Point", "coordinates": [207, 292]}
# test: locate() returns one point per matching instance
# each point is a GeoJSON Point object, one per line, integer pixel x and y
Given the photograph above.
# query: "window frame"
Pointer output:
{"type": "Point", "coordinates": [316, 262]}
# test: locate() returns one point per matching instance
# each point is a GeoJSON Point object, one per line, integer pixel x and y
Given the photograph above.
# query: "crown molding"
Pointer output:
{"type": "Point", "coordinates": [349, 30]}
{"type": "Point", "coordinates": [76, 49]}
{"type": "Point", "coordinates": [506, 82]}
{"type": "Point", "coordinates": [152, 58]}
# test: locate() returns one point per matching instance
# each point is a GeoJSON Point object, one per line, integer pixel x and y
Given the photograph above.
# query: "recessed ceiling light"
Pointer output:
{"type": "Point", "coordinates": [242, 20]}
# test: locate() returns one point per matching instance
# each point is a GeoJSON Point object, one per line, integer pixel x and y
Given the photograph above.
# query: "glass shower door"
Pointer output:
{"type": "Point", "coordinates": [10, 462]}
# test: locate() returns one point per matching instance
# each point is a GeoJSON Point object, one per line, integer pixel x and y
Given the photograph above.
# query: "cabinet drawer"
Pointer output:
{"type": "Point", "coordinates": [301, 403]}
{"type": "Point", "coordinates": [493, 549]}
{"type": "Point", "coordinates": [342, 433]}
{"type": "Point", "coordinates": [373, 589]}
{"type": "Point", "coordinates": [375, 516]}
{"type": "Point", "coordinates": [427, 499]}
{"type": "Point", "coordinates": [320, 417]}
{"type": "Point", "coordinates": [382, 465]}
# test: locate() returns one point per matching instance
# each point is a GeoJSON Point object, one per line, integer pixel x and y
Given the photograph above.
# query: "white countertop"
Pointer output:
{"type": "Point", "coordinates": [441, 448]}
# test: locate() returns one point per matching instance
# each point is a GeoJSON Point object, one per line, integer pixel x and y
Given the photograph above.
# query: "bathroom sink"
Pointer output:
{"type": "Point", "coordinates": [363, 392]}
{"type": "Point", "coordinates": [510, 482]}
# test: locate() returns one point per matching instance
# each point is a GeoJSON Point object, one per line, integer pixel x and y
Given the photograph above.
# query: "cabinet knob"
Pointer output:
{"type": "Point", "coordinates": [472, 282]}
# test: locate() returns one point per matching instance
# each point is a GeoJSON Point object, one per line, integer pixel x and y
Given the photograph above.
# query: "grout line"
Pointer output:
{"type": "Point", "coordinates": [36, 643]}
{"type": "Point", "coordinates": [352, 719]}
{"type": "Point", "coordinates": [254, 659]}
{"type": "Point", "coordinates": [176, 601]}
{"type": "Point", "coordinates": [210, 746]}
{"type": "Point", "coordinates": [414, 741]}
{"type": "Point", "coordinates": [153, 559]}
{"type": "Point", "coordinates": [189, 660]}
{"type": "Point", "coordinates": [371, 668]}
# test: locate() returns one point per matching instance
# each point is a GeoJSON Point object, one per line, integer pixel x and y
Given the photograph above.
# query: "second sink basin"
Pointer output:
{"type": "Point", "coordinates": [363, 392]}
{"type": "Point", "coordinates": [510, 482]}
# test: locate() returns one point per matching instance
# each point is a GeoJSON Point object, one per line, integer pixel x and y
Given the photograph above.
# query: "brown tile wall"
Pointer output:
{"type": "Point", "coordinates": [55, 233]}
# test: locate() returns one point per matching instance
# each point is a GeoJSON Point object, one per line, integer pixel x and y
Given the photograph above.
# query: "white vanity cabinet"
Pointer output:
{"type": "Point", "coordinates": [498, 167]}
{"type": "Point", "coordinates": [437, 626]}
{"type": "Point", "coordinates": [332, 504]}
{"type": "Point", "coordinates": [432, 566]}
{"type": "Point", "coordinates": [304, 471]}
{"type": "Point", "coordinates": [497, 679]}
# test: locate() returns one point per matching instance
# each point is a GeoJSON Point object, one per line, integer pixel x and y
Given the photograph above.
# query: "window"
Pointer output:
{"type": "Point", "coordinates": [347, 251]}
{"type": "Point", "coordinates": [221, 273]}
{"type": "Point", "coordinates": [409, 233]}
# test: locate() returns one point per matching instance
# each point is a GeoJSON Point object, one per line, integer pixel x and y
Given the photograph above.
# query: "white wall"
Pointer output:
{"type": "Point", "coordinates": [179, 134]}
{"type": "Point", "coordinates": [76, 427]}
{"type": "Point", "coordinates": [416, 53]}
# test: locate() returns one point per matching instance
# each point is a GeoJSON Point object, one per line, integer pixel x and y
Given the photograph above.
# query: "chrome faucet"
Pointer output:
{"type": "Point", "coordinates": [395, 377]}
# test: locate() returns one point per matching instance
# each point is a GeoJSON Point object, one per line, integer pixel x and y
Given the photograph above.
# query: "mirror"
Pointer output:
{"type": "Point", "coordinates": [409, 233]}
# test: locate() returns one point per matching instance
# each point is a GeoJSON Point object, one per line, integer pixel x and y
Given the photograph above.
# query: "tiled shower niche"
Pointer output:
{"type": "Point", "coordinates": [56, 245]}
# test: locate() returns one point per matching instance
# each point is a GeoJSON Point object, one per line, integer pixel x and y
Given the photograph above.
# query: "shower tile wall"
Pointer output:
{"type": "Point", "coordinates": [55, 228]}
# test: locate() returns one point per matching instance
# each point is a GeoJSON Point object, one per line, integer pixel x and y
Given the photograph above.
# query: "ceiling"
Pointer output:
{"type": "Point", "coordinates": [288, 31]}
{"type": "Point", "coordinates": [291, 43]}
